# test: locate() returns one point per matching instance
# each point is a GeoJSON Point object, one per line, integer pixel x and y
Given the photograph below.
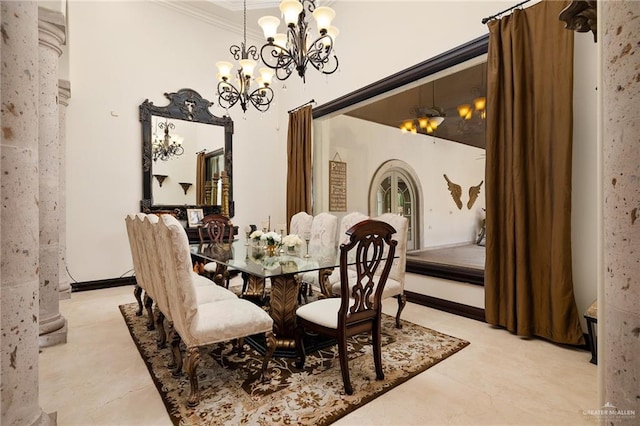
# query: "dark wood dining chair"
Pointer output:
{"type": "Point", "coordinates": [216, 229]}
{"type": "Point", "coordinates": [356, 311]}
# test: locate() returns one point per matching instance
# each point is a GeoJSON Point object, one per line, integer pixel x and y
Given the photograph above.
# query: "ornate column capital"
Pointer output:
{"type": "Point", "coordinates": [51, 29]}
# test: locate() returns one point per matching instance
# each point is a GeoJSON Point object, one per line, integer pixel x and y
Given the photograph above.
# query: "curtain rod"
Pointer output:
{"type": "Point", "coordinates": [487, 19]}
{"type": "Point", "coordinates": [312, 101]}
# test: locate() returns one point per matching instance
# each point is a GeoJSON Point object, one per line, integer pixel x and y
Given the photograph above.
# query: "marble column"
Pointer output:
{"type": "Point", "coordinates": [19, 230]}
{"type": "Point", "coordinates": [64, 93]}
{"type": "Point", "coordinates": [53, 326]}
{"type": "Point", "coordinates": [619, 324]}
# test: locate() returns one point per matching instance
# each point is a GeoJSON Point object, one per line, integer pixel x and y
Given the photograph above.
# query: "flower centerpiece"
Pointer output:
{"type": "Point", "coordinates": [272, 241]}
{"type": "Point", "coordinates": [292, 242]}
{"type": "Point", "coordinates": [256, 235]}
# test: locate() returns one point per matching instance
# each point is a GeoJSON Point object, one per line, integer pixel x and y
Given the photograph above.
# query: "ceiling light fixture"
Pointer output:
{"type": "Point", "coordinates": [167, 146]}
{"type": "Point", "coordinates": [427, 119]}
{"type": "Point", "coordinates": [286, 53]}
{"type": "Point", "coordinates": [228, 94]}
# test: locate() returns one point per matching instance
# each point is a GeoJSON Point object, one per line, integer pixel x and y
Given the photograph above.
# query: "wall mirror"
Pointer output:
{"type": "Point", "coordinates": [186, 152]}
{"type": "Point", "coordinates": [443, 97]}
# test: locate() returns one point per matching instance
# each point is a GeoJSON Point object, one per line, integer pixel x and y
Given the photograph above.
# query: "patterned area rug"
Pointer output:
{"type": "Point", "coordinates": [230, 392]}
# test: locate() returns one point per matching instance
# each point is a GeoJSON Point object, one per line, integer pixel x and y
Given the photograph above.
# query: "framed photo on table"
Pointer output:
{"type": "Point", "coordinates": [194, 217]}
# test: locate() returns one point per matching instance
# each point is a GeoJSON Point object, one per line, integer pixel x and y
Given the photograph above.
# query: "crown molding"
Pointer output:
{"type": "Point", "coordinates": [208, 16]}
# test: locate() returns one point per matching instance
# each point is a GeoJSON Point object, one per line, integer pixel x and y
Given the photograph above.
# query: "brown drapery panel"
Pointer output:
{"type": "Point", "coordinates": [200, 178]}
{"type": "Point", "coordinates": [528, 277]}
{"type": "Point", "coordinates": [299, 162]}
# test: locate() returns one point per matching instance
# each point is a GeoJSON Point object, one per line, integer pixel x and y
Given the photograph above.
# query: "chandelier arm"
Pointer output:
{"type": "Point", "coordinates": [321, 55]}
{"type": "Point", "coordinates": [177, 150]}
{"type": "Point", "coordinates": [252, 52]}
{"type": "Point", "coordinates": [277, 58]}
{"type": "Point", "coordinates": [236, 51]}
{"type": "Point", "coordinates": [227, 94]}
{"type": "Point", "coordinates": [261, 98]}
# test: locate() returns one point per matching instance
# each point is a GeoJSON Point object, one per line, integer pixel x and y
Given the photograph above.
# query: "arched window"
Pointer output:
{"type": "Point", "coordinates": [395, 189]}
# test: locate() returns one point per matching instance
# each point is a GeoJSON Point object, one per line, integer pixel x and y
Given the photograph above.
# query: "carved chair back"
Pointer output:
{"type": "Point", "coordinates": [216, 228]}
{"type": "Point", "coordinates": [371, 240]}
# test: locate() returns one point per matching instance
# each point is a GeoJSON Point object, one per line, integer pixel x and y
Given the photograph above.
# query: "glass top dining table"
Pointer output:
{"type": "Point", "coordinates": [253, 260]}
{"type": "Point", "coordinates": [284, 271]}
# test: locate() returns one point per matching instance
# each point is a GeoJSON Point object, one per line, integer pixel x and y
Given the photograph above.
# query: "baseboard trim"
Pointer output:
{"type": "Point", "coordinates": [455, 308]}
{"type": "Point", "coordinates": [100, 284]}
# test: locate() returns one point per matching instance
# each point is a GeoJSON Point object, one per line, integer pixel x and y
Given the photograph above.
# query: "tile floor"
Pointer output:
{"type": "Point", "coordinates": [98, 377]}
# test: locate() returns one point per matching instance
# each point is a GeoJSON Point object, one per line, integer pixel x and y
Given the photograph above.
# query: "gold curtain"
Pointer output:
{"type": "Point", "coordinates": [200, 178]}
{"type": "Point", "coordinates": [528, 277]}
{"type": "Point", "coordinates": [299, 162]}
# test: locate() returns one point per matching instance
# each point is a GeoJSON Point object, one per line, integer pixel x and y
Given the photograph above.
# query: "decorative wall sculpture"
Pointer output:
{"type": "Point", "coordinates": [456, 192]}
{"type": "Point", "coordinates": [474, 191]}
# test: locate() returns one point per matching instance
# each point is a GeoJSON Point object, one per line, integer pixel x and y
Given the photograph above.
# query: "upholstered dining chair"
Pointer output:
{"type": "Point", "coordinates": [198, 324]}
{"type": "Point", "coordinates": [140, 267]}
{"type": "Point", "coordinates": [333, 279]}
{"type": "Point", "coordinates": [322, 245]}
{"type": "Point", "coordinates": [206, 290]}
{"type": "Point", "coordinates": [216, 229]}
{"type": "Point", "coordinates": [300, 224]}
{"type": "Point", "coordinates": [395, 283]}
{"type": "Point", "coordinates": [355, 311]}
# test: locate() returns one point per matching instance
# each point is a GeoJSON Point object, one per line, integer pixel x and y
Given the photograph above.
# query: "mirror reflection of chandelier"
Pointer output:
{"type": "Point", "coordinates": [426, 120]}
{"type": "Point", "coordinates": [286, 53]}
{"type": "Point", "coordinates": [479, 105]}
{"type": "Point", "coordinates": [467, 111]}
{"type": "Point", "coordinates": [166, 146]}
{"type": "Point", "coordinates": [228, 94]}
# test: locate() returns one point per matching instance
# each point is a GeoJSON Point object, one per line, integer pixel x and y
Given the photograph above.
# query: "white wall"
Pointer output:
{"type": "Point", "coordinates": [121, 53]}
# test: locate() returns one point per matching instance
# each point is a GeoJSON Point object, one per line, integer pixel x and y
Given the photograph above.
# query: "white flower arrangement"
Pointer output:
{"type": "Point", "coordinates": [272, 238]}
{"type": "Point", "coordinates": [256, 235]}
{"type": "Point", "coordinates": [291, 240]}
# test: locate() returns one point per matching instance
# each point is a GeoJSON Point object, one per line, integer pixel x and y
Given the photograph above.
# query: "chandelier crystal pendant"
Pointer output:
{"type": "Point", "coordinates": [286, 53]}
{"type": "Point", "coordinates": [168, 146]}
{"type": "Point", "coordinates": [228, 94]}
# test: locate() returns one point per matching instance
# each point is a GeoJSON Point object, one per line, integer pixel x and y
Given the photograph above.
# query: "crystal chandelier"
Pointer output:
{"type": "Point", "coordinates": [286, 53]}
{"type": "Point", "coordinates": [167, 146]}
{"type": "Point", "coordinates": [228, 94]}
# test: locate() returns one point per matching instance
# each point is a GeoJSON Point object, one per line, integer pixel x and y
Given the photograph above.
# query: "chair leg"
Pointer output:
{"type": "Point", "coordinates": [148, 304]}
{"type": "Point", "coordinates": [137, 293]}
{"type": "Point", "coordinates": [172, 363]}
{"type": "Point", "coordinates": [344, 365]}
{"type": "Point", "coordinates": [245, 282]}
{"type": "Point", "coordinates": [402, 301]}
{"type": "Point", "coordinates": [191, 366]}
{"type": "Point", "coordinates": [376, 336]}
{"type": "Point", "coordinates": [177, 355]}
{"type": "Point", "coordinates": [302, 292]}
{"type": "Point", "coordinates": [162, 334]}
{"type": "Point", "coordinates": [299, 337]}
{"type": "Point", "coordinates": [240, 346]}
{"type": "Point", "coordinates": [270, 340]}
